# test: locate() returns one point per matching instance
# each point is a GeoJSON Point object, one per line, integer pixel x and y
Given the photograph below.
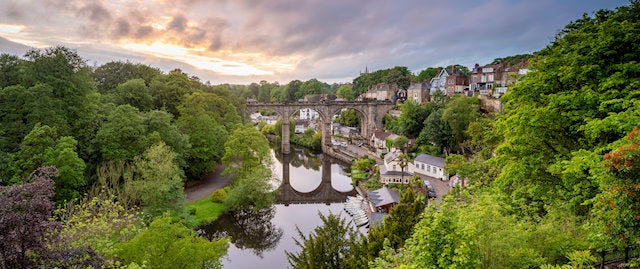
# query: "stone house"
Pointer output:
{"type": "Point", "coordinates": [418, 92]}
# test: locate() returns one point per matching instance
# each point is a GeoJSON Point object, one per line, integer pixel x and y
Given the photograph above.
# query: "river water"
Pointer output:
{"type": "Point", "coordinates": [306, 189]}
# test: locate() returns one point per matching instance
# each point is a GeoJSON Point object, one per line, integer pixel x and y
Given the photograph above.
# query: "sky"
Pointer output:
{"type": "Point", "coordinates": [244, 41]}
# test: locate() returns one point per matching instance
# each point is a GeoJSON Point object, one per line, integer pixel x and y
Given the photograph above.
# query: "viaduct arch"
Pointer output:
{"type": "Point", "coordinates": [372, 113]}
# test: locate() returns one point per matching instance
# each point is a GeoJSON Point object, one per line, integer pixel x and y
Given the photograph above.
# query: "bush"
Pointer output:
{"type": "Point", "coordinates": [218, 196]}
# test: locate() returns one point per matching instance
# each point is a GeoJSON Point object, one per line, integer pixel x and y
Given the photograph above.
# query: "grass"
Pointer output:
{"type": "Point", "coordinates": [206, 211]}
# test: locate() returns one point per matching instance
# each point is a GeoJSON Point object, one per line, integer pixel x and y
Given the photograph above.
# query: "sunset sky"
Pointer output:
{"type": "Point", "coordinates": [244, 41]}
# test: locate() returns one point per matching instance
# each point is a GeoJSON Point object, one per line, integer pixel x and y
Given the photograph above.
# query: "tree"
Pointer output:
{"type": "Point", "coordinates": [325, 247]}
{"type": "Point", "coordinates": [9, 70]}
{"type": "Point", "coordinates": [168, 91]}
{"type": "Point", "coordinates": [617, 207]}
{"type": "Point", "coordinates": [134, 92]}
{"type": "Point", "coordinates": [411, 120]}
{"type": "Point", "coordinates": [349, 117]}
{"type": "Point", "coordinates": [161, 128]}
{"type": "Point", "coordinates": [70, 167]}
{"type": "Point", "coordinates": [245, 150]}
{"type": "Point", "coordinates": [172, 245]}
{"type": "Point", "coordinates": [428, 73]}
{"type": "Point", "coordinates": [32, 151]}
{"type": "Point", "coordinates": [458, 114]}
{"type": "Point", "coordinates": [124, 135]}
{"type": "Point", "coordinates": [98, 223]}
{"type": "Point", "coordinates": [346, 91]}
{"type": "Point", "coordinates": [394, 230]}
{"type": "Point", "coordinates": [159, 181]}
{"type": "Point", "coordinates": [26, 219]}
{"type": "Point", "coordinates": [250, 191]}
{"type": "Point", "coordinates": [436, 133]}
{"type": "Point", "coordinates": [400, 76]}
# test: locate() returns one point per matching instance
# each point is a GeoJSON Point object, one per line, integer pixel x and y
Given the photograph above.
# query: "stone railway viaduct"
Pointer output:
{"type": "Point", "coordinates": [371, 115]}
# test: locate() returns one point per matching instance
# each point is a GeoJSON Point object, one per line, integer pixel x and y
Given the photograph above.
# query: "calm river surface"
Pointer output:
{"type": "Point", "coordinates": [260, 239]}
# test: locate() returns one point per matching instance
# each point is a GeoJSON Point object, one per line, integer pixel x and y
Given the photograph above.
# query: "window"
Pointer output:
{"type": "Point", "coordinates": [422, 166]}
{"type": "Point", "coordinates": [490, 77]}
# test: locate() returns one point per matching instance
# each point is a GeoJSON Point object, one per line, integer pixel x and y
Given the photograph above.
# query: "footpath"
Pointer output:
{"type": "Point", "coordinates": [210, 182]}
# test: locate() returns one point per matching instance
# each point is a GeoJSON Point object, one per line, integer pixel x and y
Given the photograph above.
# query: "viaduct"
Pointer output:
{"type": "Point", "coordinates": [371, 114]}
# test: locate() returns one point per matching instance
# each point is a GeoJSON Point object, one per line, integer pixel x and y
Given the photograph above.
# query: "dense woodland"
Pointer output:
{"type": "Point", "coordinates": [93, 162]}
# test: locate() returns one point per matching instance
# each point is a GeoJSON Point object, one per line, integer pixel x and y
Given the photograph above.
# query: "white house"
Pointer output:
{"type": "Point", "coordinates": [430, 166]}
{"type": "Point", "coordinates": [308, 114]}
{"type": "Point", "coordinates": [392, 171]}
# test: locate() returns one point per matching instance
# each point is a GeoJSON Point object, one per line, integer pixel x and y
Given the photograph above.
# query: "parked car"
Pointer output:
{"type": "Point", "coordinates": [431, 193]}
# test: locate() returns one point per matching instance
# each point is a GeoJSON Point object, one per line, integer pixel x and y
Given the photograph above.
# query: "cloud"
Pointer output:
{"type": "Point", "coordinates": [298, 39]}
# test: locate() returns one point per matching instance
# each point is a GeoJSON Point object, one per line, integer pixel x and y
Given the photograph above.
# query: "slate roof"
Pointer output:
{"type": "Point", "coordinates": [432, 160]}
{"type": "Point", "coordinates": [383, 196]}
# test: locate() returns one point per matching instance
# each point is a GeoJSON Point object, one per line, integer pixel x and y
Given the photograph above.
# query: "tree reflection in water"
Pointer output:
{"type": "Point", "coordinates": [247, 228]}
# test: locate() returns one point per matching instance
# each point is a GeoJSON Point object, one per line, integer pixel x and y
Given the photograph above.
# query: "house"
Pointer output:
{"type": "Point", "coordinates": [456, 83]}
{"type": "Point", "coordinates": [302, 125]}
{"type": "Point", "coordinates": [269, 120]}
{"type": "Point", "coordinates": [308, 114]}
{"type": "Point", "coordinates": [485, 78]}
{"type": "Point", "coordinates": [418, 92]}
{"type": "Point", "coordinates": [380, 92]}
{"type": "Point", "coordinates": [395, 169]}
{"type": "Point", "coordinates": [346, 131]}
{"type": "Point", "coordinates": [430, 166]}
{"type": "Point", "coordinates": [494, 80]}
{"type": "Point", "coordinates": [378, 140]}
{"type": "Point", "coordinates": [383, 199]}
{"type": "Point", "coordinates": [449, 81]}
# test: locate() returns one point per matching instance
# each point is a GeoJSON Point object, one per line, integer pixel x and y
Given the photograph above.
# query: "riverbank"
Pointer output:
{"type": "Point", "coordinates": [210, 182]}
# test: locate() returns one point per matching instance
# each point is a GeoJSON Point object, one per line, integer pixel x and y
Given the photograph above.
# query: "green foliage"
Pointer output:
{"type": "Point", "coordinates": [124, 135]}
{"type": "Point", "coordinates": [172, 245]}
{"type": "Point", "coordinates": [346, 92]}
{"type": "Point", "coordinates": [32, 151]}
{"type": "Point", "coordinates": [411, 120]}
{"type": "Point", "coordinates": [392, 233]}
{"type": "Point", "coordinates": [250, 190]}
{"type": "Point", "coordinates": [325, 247]}
{"type": "Point", "coordinates": [512, 60]}
{"type": "Point", "coordinates": [158, 183]}
{"type": "Point", "coordinates": [71, 168]}
{"type": "Point", "coordinates": [245, 150]}
{"type": "Point", "coordinates": [428, 73]}
{"type": "Point", "coordinates": [398, 75]}
{"type": "Point", "coordinates": [309, 139]}
{"type": "Point", "coordinates": [218, 196]}
{"type": "Point", "coordinates": [135, 93]}
{"type": "Point", "coordinates": [458, 114]}
{"type": "Point", "coordinates": [99, 223]}
{"type": "Point", "coordinates": [349, 117]}
{"type": "Point", "coordinates": [435, 133]}
{"type": "Point", "coordinates": [205, 211]}
{"type": "Point", "coordinates": [616, 214]}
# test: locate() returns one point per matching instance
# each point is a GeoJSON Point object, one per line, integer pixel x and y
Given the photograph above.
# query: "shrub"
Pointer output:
{"type": "Point", "coordinates": [218, 196]}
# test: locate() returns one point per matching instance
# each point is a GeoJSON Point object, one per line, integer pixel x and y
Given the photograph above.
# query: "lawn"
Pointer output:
{"type": "Point", "coordinates": [206, 210]}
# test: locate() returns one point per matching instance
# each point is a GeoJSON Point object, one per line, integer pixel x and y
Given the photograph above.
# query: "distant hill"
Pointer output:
{"type": "Point", "coordinates": [13, 48]}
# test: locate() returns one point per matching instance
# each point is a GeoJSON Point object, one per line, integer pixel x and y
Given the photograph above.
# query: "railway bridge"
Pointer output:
{"type": "Point", "coordinates": [371, 116]}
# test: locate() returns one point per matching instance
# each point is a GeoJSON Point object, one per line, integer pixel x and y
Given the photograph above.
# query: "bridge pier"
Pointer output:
{"type": "Point", "coordinates": [286, 146]}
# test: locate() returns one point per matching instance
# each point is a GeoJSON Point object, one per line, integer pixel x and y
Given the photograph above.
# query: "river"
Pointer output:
{"type": "Point", "coordinates": [313, 184]}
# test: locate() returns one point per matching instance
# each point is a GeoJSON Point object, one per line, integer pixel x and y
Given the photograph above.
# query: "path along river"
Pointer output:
{"type": "Point", "coordinates": [260, 239]}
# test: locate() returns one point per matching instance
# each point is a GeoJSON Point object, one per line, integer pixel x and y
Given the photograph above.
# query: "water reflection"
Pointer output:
{"type": "Point", "coordinates": [306, 184]}
{"type": "Point", "coordinates": [247, 229]}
